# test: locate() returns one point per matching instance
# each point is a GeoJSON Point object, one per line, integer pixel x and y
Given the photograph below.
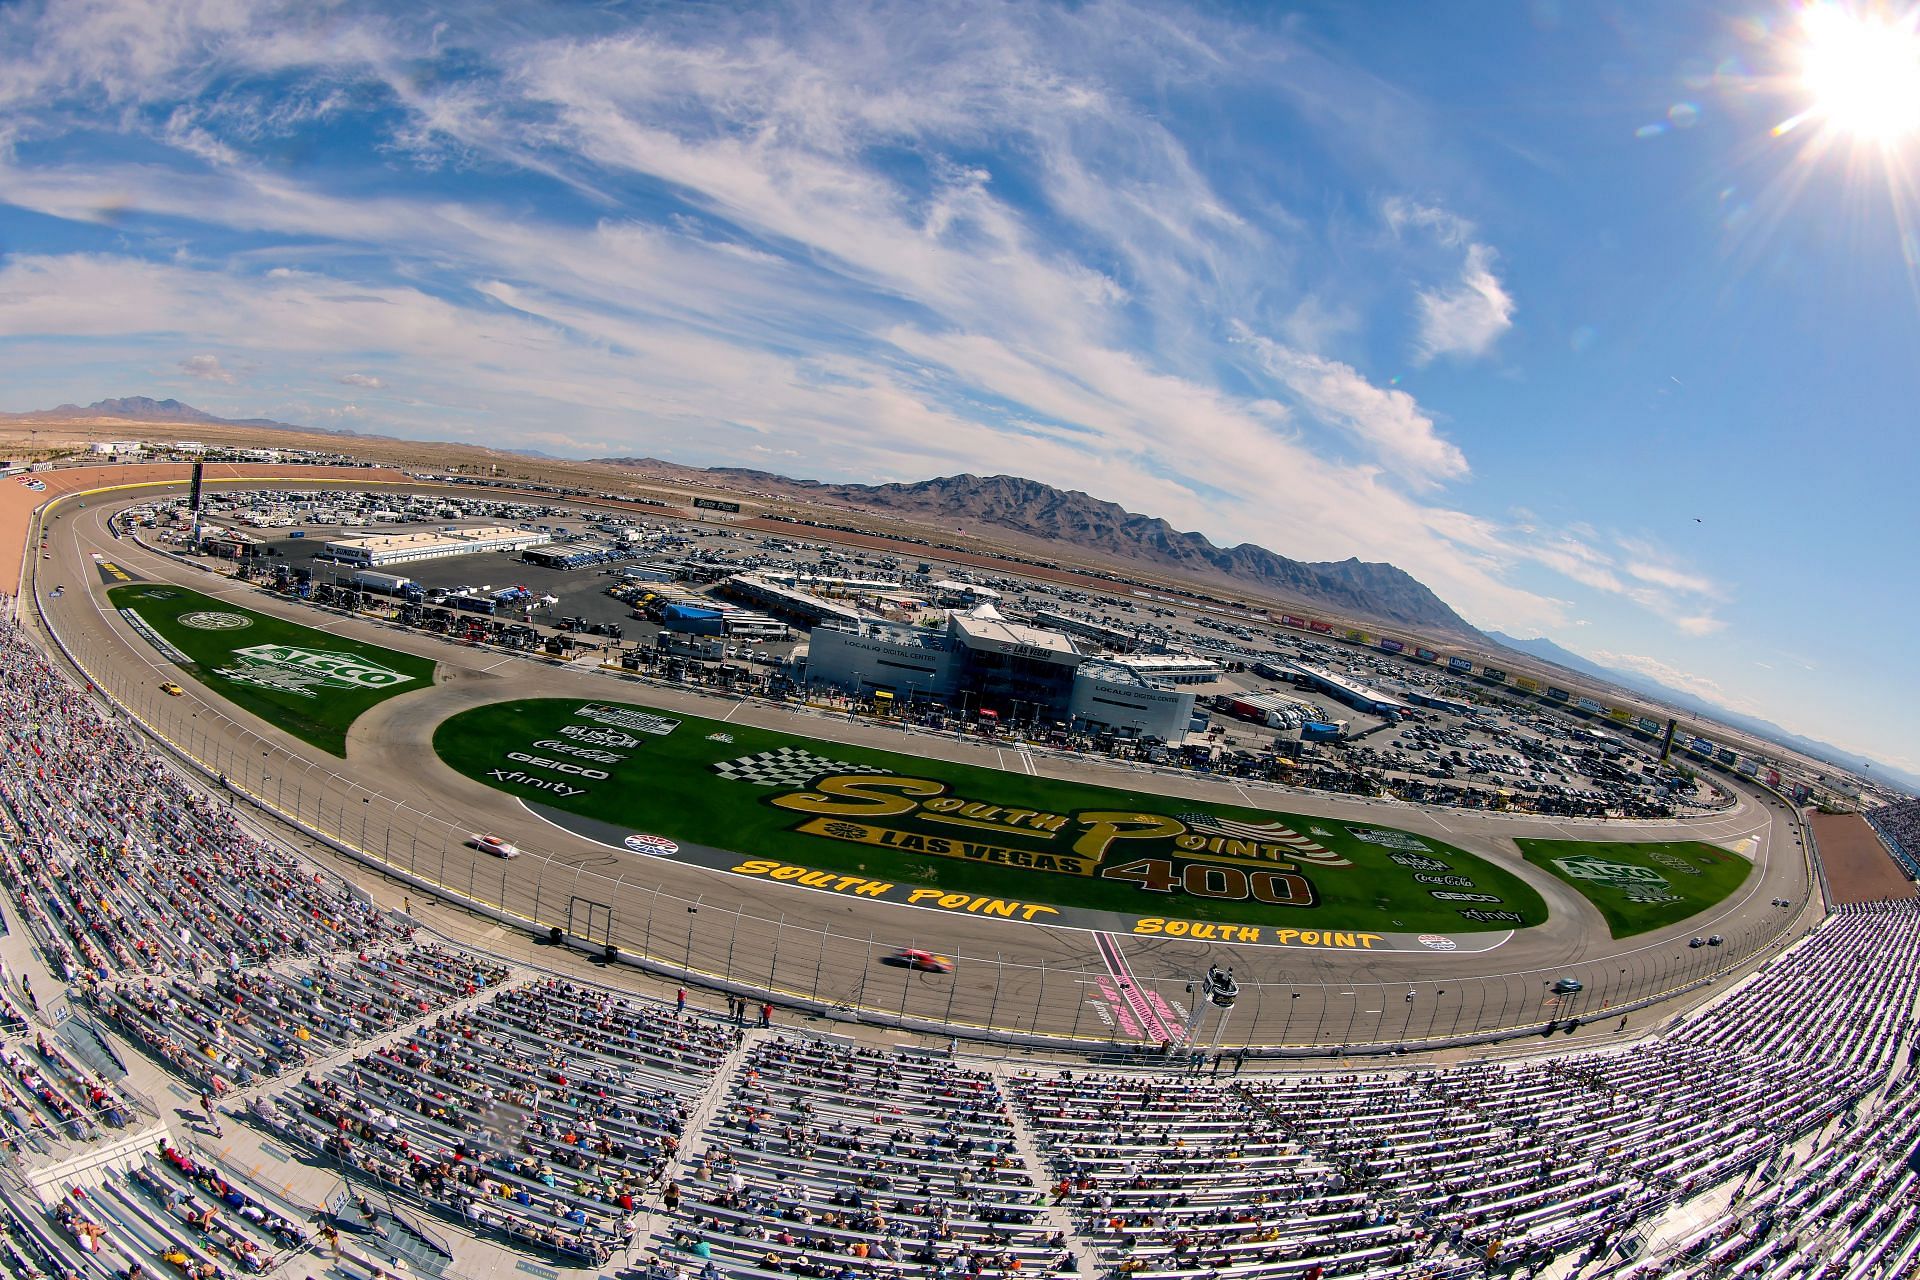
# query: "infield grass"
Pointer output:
{"type": "Point", "coordinates": [667, 785]}
{"type": "Point", "coordinates": [308, 701]}
{"type": "Point", "coordinates": [1661, 884]}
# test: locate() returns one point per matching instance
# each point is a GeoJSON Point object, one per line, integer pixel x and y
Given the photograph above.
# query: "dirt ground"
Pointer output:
{"type": "Point", "coordinates": [1859, 868]}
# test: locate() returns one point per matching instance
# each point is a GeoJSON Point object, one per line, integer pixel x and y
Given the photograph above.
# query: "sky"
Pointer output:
{"type": "Point", "coordinates": [1599, 319]}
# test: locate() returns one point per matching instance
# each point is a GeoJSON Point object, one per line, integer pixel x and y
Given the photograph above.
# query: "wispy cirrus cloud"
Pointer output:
{"type": "Point", "coordinates": [1466, 315]}
{"type": "Point", "coordinates": [881, 241]}
{"type": "Point", "coordinates": [207, 368]}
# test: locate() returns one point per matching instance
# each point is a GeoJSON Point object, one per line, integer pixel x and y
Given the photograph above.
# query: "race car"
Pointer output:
{"type": "Point", "coordinates": [494, 845]}
{"type": "Point", "coordinates": [919, 961]}
{"type": "Point", "coordinates": [1567, 987]}
{"type": "Point", "coordinates": [171, 689]}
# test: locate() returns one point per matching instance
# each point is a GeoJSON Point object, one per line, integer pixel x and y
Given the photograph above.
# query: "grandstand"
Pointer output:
{"type": "Point", "coordinates": [362, 1096]}
{"type": "Point", "coordinates": [1899, 828]}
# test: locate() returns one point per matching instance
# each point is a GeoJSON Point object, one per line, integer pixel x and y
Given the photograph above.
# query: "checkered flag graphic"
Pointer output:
{"type": "Point", "coordinates": [785, 767]}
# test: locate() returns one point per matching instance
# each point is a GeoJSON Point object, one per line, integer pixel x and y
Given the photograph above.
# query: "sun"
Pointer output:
{"type": "Point", "coordinates": [1860, 66]}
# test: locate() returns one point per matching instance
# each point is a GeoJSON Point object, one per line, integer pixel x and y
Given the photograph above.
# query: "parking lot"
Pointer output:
{"type": "Point", "coordinates": [1471, 744]}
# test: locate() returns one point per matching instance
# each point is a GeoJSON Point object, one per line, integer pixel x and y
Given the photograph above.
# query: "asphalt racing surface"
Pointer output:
{"type": "Point", "coordinates": [397, 804]}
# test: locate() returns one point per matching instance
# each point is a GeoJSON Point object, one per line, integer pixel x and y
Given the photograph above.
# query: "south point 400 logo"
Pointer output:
{"type": "Point", "coordinates": [292, 669]}
{"type": "Point", "coordinates": [1198, 854]}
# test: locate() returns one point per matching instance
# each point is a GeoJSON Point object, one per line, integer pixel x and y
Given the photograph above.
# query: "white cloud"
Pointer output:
{"type": "Point", "coordinates": [898, 244]}
{"type": "Point", "coordinates": [207, 368]}
{"type": "Point", "coordinates": [1469, 317]}
{"type": "Point", "coordinates": [1700, 624]}
{"type": "Point", "coordinates": [1389, 422]}
{"type": "Point", "coordinates": [1448, 228]}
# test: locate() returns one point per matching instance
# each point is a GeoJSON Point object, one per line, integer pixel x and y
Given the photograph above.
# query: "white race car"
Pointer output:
{"type": "Point", "coordinates": [495, 845]}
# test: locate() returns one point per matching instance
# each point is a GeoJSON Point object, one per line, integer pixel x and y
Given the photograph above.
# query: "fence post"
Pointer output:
{"type": "Point", "coordinates": [779, 929]}
{"type": "Point", "coordinates": [999, 975]}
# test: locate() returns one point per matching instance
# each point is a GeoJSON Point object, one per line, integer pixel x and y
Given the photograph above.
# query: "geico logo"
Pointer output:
{"type": "Point", "coordinates": [584, 753]}
{"type": "Point", "coordinates": [558, 766]}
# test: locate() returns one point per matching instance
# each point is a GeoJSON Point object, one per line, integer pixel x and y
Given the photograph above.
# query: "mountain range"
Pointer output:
{"type": "Point", "coordinates": [147, 409]}
{"type": "Point", "coordinates": [1353, 588]}
{"type": "Point", "coordinates": [1547, 651]}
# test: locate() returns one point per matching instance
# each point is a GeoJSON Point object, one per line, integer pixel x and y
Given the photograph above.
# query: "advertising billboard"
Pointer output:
{"type": "Point", "coordinates": [1751, 768]}
{"type": "Point", "coordinates": [1426, 655]}
{"type": "Point", "coordinates": [1288, 620]}
{"type": "Point", "coordinates": [1323, 628]}
{"type": "Point", "coordinates": [1700, 746]}
{"type": "Point", "coordinates": [1589, 706]}
{"type": "Point", "coordinates": [1494, 674]}
{"type": "Point", "coordinates": [1356, 635]}
{"type": "Point", "coordinates": [1391, 646]}
{"type": "Point", "coordinates": [1725, 755]}
{"type": "Point", "coordinates": [1528, 683]}
{"type": "Point", "coordinates": [1559, 695]}
{"type": "Point", "coordinates": [1645, 725]}
{"type": "Point", "coordinates": [715, 504]}
{"type": "Point", "coordinates": [1619, 715]}
{"type": "Point", "coordinates": [1772, 777]}
{"type": "Point", "coordinates": [1459, 664]}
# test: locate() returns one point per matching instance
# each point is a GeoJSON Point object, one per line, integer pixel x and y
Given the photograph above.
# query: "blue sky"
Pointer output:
{"type": "Point", "coordinates": [1537, 305]}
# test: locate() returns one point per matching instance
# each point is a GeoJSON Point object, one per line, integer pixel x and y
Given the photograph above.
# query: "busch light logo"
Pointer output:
{"type": "Point", "coordinates": [292, 669]}
{"type": "Point", "coordinates": [627, 718]}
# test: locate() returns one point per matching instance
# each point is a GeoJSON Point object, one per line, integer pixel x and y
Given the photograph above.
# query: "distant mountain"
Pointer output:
{"type": "Point", "coordinates": [147, 409]}
{"type": "Point", "coordinates": [1546, 650]}
{"type": "Point", "coordinates": [1354, 588]}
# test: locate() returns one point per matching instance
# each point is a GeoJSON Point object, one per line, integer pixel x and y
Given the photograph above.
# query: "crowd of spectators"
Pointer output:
{"type": "Point", "coordinates": [830, 1160]}
{"type": "Point", "coordinates": [557, 1116]}
{"type": "Point", "coordinates": [546, 1114]}
{"type": "Point", "coordinates": [1899, 828]}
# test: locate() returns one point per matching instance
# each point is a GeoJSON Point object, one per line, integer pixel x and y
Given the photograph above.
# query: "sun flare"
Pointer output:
{"type": "Point", "coordinates": [1861, 69]}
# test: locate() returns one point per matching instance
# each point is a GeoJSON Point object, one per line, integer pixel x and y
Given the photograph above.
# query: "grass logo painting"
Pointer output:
{"type": "Point", "coordinates": [306, 682]}
{"type": "Point", "coordinates": [308, 672]}
{"type": "Point", "coordinates": [927, 832]}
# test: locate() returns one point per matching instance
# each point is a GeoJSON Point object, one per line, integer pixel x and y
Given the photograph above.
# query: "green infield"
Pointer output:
{"type": "Point", "coordinates": [307, 682]}
{"type": "Point", "coordinates": [1638, 887]}
{"type": "Point", "coordinates": [779, 806]}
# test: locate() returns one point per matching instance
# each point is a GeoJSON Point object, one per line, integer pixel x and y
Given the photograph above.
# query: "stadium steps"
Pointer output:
{"type": "Point", "coordinates": [235, 1101]}
{"type": "Point", "coordinates": [1086, 1259]}
{"type": "Point", "coordinates": [391, 1233]}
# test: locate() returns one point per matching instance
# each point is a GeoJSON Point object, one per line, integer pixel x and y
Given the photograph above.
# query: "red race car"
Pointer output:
{"type": "Point", "coordinates": [494, 845]}
{"type": "Point", "coordinates": [919, 961]}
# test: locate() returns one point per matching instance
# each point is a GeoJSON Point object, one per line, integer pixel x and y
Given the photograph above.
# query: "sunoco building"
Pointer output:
{"type": "Point", "coordinates": [982, 663]}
